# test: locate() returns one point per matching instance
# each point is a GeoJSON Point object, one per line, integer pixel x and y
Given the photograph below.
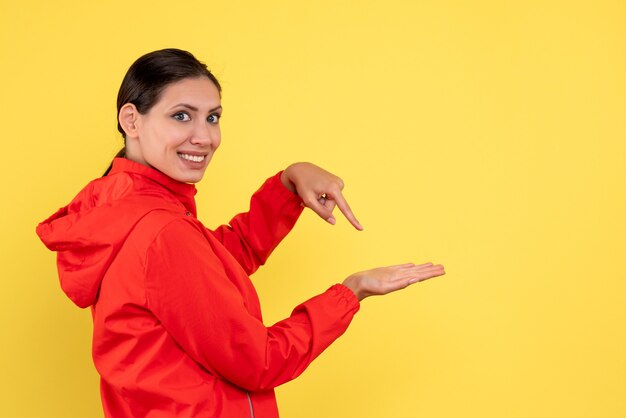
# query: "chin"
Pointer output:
{"type": "Point", "coordinates": [185, 176]}
{"type": "Point", "coordinates": [191, 178]}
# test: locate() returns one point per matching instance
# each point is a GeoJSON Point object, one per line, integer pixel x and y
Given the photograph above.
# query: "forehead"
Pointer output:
{"type": "Point", "coordinates": [199, 92]}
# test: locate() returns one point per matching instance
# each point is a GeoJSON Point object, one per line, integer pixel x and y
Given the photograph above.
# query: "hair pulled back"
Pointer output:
{"type": "Point", "coordinates": [150, 74]}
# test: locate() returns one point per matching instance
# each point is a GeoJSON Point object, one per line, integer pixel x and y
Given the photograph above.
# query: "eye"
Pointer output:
{"type": "Point", "coordinates": [214, 118]}
{"type": "Point", "coordinates": [181, 116]}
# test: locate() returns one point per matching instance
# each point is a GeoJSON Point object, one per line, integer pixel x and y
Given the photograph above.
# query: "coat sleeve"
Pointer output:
{"type": "Point", "coordinates": [252, 236]}
{"type": "Point", "coordinates": [207, 314]}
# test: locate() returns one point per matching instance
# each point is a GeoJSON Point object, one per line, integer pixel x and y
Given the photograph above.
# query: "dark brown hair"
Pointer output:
{"type": "Point", "coordinates": [151, 74]}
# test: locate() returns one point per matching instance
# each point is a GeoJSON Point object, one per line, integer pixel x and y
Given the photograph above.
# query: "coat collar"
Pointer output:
{"type": "Point", "coordinates": [184, 192]}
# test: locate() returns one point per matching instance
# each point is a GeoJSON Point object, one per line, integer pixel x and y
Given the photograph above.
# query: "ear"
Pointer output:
{"type": "Point", "coordinates": [128, 117]}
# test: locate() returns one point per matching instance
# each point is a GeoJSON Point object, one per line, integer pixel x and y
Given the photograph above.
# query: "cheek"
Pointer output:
{"type": "Point", "coordinates": [173, 135]}
{"type": "Point", "coordinates": [217, 138]}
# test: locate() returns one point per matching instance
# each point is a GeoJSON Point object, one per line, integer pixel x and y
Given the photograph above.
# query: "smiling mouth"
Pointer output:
{"type": "Point", "coordinates": [194, 158]}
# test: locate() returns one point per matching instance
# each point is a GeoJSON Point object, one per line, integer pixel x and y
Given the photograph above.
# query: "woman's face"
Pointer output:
{"type": "Point", "coordinates": [180, 133]}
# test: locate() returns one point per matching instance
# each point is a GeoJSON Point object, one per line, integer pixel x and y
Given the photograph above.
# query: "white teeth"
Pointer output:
{"type": "Point", "coordinates": [194, 158]}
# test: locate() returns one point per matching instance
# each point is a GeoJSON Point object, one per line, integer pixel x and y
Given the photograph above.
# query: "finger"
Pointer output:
{"type": "Point", "coordinates": [418, 273]}
{"type": "Point", "coordinates": [410, 265]}
{"type": "Point", "coordinates": [420, 269]}
{"type": "Point", "coordinates": [423, 279]}
{"type": "Point", "coordinates": [407, 270]}
{"type": "Point", "coordinates": [428, 274]}
{"type": "Point", "coordinates": [401, 266]}
{"type": "Point", "coordinates": [329, 204]}
{"type": "Point", "coordinates": [424, 266]}
{"type": "Point", "coordinates": [311, 201]}
{"type": "Point", "coordinates": [423, 269]}
{"type": "Point", "coordinates": [345, 209]}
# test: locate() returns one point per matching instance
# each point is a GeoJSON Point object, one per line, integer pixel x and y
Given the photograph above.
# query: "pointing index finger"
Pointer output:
{"type": "Point", "coordinates": [343, 206]}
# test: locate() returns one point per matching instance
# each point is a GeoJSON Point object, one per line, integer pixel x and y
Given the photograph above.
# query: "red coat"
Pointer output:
{"type": "Point", "coordinates": [177, 323]}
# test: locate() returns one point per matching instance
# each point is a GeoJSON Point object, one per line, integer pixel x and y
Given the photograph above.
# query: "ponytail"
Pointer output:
{"type": "Point", "coordinates": [120, 154]}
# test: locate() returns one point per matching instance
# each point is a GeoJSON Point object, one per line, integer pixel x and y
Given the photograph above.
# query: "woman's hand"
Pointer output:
{"type": "Point", "coordinates": [319, 191]}
{"type": "Point", "coordinates": [383, 280]}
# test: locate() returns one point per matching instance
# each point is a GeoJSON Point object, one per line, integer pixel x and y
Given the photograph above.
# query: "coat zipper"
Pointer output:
{"type": "Point", "coordinates": [250, 404]}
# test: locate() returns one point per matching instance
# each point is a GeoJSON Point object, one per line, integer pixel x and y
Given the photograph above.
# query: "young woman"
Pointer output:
{"type": "Point", "coordinates": [177, 324]}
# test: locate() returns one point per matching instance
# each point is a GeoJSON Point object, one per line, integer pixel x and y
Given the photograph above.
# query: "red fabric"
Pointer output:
{"type": "Point", "coordinates": [178, 330]}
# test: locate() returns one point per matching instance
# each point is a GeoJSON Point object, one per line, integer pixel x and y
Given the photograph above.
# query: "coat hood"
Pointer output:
{"type": "Point", "coordinates": [88, 233]}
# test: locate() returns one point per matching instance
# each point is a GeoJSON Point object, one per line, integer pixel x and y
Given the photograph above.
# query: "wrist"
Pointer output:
{"type": "Point", "coordinates": [352, 283]}
{"type": "Point", "coordinates": [286, 180]}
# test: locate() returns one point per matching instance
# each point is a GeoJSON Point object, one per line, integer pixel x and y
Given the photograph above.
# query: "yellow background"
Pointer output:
{"type": "Point", "coordinates": [485, 135]}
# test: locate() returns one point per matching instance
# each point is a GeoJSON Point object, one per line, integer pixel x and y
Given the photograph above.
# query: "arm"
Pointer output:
{"type": "Point", "coordinates": [275, 207]}
{"type": "Point", "coordinates": [252, 236]}
{"type": "Point", "coordinates": [209, 306]}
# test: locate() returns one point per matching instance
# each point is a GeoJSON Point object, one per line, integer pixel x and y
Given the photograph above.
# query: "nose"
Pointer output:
{"type": "Point", "coordinates": [205, 134]}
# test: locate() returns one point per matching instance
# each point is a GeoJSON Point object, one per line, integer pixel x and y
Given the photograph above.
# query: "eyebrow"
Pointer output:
{"type": "Point", "coordinates": [195, 109]}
